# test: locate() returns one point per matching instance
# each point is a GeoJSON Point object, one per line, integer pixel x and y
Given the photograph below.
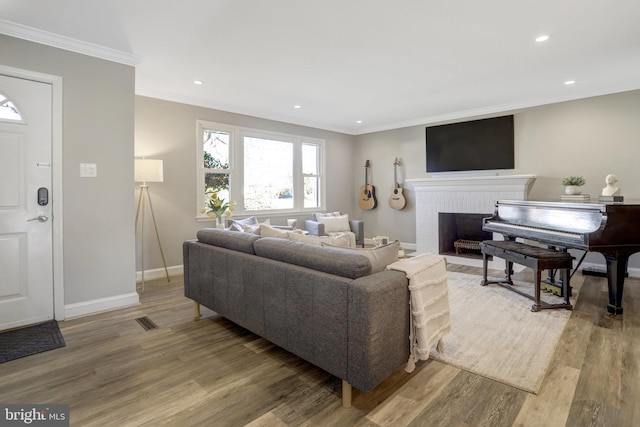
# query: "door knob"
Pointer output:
{"type": "Point", "coordinates": [41, 218]}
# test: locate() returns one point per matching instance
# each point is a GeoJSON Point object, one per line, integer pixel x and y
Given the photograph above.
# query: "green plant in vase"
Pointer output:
{"type": "Point", "coordinates": [216, 207]}
{"type": "Point", "coordinates": [572, 184]}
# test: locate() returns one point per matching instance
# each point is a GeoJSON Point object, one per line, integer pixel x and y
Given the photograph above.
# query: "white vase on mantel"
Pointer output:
{"type": "Point", "coordinates": [572, 190]}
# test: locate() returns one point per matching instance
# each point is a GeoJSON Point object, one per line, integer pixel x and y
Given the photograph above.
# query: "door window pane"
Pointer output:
{"type": "Point", "coordinates": [8, 111]}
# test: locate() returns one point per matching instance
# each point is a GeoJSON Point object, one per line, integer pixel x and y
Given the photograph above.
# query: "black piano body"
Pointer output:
{"type": "Point", "coordinates": [612, 229]}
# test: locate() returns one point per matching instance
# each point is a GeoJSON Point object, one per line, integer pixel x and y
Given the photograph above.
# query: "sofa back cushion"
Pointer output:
{"type": "Point", "coordinates": [325, 259]}
{"type": "Point", "coordinates": [242, 242]}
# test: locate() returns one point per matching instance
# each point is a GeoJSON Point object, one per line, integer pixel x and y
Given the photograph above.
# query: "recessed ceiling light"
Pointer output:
{"type": "Point", "coordinates": [297, 107]}
{"type": "Point", "coordinates": [542, 38]}
{"type": "Point", "coordinates": [569, 82]}
{"type": "Point", "coordinates": [197, 82]}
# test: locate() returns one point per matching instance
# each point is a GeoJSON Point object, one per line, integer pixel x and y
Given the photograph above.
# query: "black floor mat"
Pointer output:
{"type": "Point", "coordinates": [30, 340]}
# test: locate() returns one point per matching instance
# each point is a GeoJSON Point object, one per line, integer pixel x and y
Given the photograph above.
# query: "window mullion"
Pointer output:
{"type": "Point", "coordinates": [236, 170]}
{"type": "Point", "coordinates": [298, 179]}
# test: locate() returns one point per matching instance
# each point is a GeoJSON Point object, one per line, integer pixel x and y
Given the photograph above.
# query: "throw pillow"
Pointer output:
{"type": "Point", "coordinates": [342, 239]}
{"type": "Point", "coordinates": [379, 257]}
{"type": "Point", "coordinates": [237, 224]}
{"type": "Point", "coordinates": [248, 225]}
{"type": "Point", "coordinates": [268, 231]}
{"type": "Point", "coordinates": [315, 216]}
{"type": "Point", "coordinates": [333, 224]}
{"type": "Point", "coordinates": [306, 238]}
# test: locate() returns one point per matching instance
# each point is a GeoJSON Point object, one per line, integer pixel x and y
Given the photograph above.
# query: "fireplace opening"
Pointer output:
{"type": "Point", "coordinates": [460, 234]}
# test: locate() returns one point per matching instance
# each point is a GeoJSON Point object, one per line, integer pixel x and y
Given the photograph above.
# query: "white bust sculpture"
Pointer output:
{"type": "Point", "coordinates": [611, 189]}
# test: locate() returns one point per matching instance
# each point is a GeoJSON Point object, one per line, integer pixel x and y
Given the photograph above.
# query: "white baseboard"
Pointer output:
{"type": "Point", "coordinates": [119, 301]}
{"type": "Point", "coordinates": [159, 273]}
{"type": "Point", "coordinates": [102, 304]}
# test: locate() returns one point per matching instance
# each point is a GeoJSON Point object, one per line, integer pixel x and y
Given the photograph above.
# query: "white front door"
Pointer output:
{"type": "Point", "coordinates": [26, 262]}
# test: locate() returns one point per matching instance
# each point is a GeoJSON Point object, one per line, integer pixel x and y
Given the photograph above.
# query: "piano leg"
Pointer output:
{"type": "Point", "coordinates": [616, 271]}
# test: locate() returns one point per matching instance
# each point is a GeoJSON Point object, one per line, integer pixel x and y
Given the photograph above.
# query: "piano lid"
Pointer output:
{"type": "Point", "coordinates": [581, 218]}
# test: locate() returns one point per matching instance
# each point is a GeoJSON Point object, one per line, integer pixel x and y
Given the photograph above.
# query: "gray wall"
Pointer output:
{"type": "Point", "coordinates": [167, 130]}
{"type": "Point", "coordinates": [591, 137]}
{"type": "Point", "coordinates": [98, 127]}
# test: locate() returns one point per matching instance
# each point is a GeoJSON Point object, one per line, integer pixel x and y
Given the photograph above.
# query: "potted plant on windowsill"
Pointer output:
{"type": "Point", "coordinates": [572, 184]}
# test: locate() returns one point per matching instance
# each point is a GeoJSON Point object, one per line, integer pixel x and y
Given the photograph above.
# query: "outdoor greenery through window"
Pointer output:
{"type": "Point", "coordinates": [249, 171]}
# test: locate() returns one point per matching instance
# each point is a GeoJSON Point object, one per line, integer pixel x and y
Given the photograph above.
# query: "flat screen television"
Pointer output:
{"type": "Point", "coordinates": [485, 144]}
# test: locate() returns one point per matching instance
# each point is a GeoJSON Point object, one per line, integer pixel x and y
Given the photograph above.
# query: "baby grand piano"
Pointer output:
{"type": "Point", "coordinates": [612, 229]}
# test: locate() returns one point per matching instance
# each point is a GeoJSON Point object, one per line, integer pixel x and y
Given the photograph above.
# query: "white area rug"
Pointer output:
{"type": "Point", "coordinates": [495, 334]}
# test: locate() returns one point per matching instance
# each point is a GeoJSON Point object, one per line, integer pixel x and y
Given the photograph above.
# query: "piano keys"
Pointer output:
{"type": "Point", "coordinates": [611, 229]}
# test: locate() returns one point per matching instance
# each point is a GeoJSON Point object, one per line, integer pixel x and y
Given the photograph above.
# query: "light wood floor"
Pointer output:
{"type": "Point", "coordinates": [211, 372]}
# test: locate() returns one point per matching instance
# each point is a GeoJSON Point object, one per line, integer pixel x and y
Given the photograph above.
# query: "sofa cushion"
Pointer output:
{"type": "Point", "coordinates": [334, 223]}
{"type": "Point", "coordinates": [325, 259]}
{"type": "Point", "coordinates": [242, 242]}
{"type": "Point", "coordinates": [379, 257]}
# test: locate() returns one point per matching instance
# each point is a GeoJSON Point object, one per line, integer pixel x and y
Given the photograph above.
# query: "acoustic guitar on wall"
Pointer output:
{"type": "Point", "coordinates": [397, 200]}
{"type": "Point", "coordinates": [367, 199]}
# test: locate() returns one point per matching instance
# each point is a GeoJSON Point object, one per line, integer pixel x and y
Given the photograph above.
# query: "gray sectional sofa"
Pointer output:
{"type": "Point", "coordinates": [320, 303]}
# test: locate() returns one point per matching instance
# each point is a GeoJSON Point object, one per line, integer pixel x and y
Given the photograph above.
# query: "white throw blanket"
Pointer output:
{"type": "Point", "coordinates": [429, 303]}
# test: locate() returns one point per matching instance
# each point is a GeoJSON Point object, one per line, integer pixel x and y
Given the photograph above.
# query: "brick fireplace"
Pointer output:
{"type": "Point", "coordinates": [460, 234]}
{"type": "Point", "coordinates": [466, 194]}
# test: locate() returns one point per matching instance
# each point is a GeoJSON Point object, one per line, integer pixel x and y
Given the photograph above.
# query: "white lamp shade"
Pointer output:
{"type": "Point", "coordinates": [148, 170]}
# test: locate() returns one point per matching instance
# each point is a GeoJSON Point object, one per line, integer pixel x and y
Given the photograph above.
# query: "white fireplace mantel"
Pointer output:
{"type": "Point", "coordinates": [461, 194]}
{"type": "Point", "coordinates": [498, 183]}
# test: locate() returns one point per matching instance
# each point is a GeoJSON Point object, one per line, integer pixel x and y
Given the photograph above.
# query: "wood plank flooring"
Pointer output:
{"type": "Point", "coordinates": [211, 372]}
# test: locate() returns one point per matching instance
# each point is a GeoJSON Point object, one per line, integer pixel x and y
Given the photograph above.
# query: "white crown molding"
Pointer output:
{"type": "Point", "coordinates": [504, 108]}
{"type": "Point", "coordinates": [206, 103]}
{"type": "Point", "coordinates": [67, 43]}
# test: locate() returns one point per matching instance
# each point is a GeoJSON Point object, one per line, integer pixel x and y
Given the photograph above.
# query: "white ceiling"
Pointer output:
{"type": "Point", "coordinates": [388, 64]}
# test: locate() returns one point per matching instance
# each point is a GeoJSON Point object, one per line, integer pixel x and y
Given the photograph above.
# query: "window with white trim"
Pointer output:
{"type": "Point", "coordinates": [254, 171]}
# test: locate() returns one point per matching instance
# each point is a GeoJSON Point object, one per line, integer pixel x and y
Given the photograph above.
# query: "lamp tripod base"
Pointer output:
{"type": "Point", "coordinates": [145, 195]}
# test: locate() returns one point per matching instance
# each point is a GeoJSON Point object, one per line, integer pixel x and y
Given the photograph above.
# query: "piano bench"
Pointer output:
{"type": "Point", "coordinates": [534, 257]}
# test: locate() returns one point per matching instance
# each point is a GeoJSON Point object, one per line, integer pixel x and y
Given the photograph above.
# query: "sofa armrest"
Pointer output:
{"type": "Point", "coordinates": [314, 228]}
{"type": "Point", "coordinates": [378, 343]}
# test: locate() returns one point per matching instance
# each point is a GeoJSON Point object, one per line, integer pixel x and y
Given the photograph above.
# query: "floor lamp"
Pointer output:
{"type": "Point", "coordinates": [147, 170]}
